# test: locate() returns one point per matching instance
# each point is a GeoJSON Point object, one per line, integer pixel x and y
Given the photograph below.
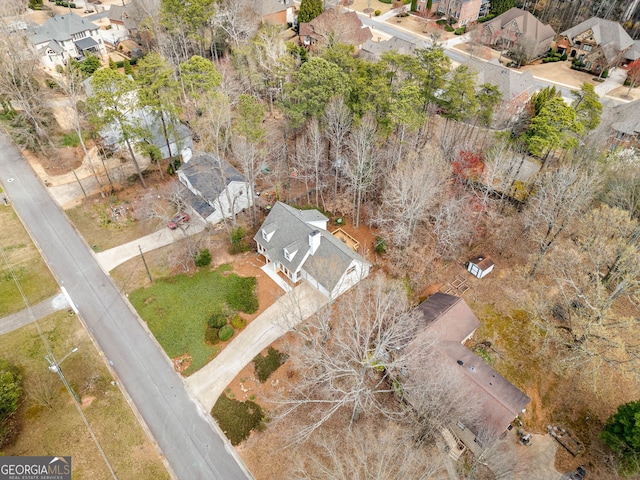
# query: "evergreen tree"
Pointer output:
{"type": "Point", "coordinates": [309, 9]}
{"type": "Point", "coordinates": [501, 6]}
{"type": "Point", "coordinates": [622, 434]}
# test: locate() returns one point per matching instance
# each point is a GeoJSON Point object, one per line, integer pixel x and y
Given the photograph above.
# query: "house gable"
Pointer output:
{"type": "Point", "coordinates": [297, 242]}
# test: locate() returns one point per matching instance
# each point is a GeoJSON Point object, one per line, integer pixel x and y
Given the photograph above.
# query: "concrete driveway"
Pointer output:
{"type": "Point", "coordinates": [208, 383]}
{"type": "Point", "coordinates": [110, 259]}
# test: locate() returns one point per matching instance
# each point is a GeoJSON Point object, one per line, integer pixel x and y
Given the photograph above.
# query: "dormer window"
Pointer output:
{"type": "Point", "coordinates": [289, 254]}
{"type": "Point", "coordinates": [267, 235]}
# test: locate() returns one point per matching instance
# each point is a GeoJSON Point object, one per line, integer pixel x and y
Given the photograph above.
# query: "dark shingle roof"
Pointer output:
{"type": "Point", "coordinates": [209, 174]}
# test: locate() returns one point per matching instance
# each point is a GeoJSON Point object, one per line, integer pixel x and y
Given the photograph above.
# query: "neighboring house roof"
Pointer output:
{"type": "Point", "coordinates": [60, 28]}
{"type": "Point", "coordinates": [130, 15]}
{"type": "Point", "coordinates": [634, 52]}
{"type": "Point", "coordinates": [527, 24]}
{"type": "Point", "coordinates": [624, 118]}
{"type": "Point", "coordinates": [605, 33]}
{"type": "Point", "coordinates": [446, 322]}
{"type": "Point", "coordinates": [374, 50]}
{"type": "Point", "coordinates": [290, 229]}
{"type": "Point", "coordinates": [210, 174]}
{"type": "Point", "coordinates": [269, 7]}
{"type": "Point", "coordinates": [345, 27]}
{"type": "Point", "coordinates": [510, 82]}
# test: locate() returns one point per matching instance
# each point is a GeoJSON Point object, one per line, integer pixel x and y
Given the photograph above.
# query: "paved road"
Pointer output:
{"type": "Point", "coordinates": [194, 447]}
{"type": "Point", "coordinates": [209, 382]}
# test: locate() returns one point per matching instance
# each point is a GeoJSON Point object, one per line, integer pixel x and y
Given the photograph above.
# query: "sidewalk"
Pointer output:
{"type": "Point", "coordinates": [27, 316]}
{"type": "Point", "coordinates": [208, 383]}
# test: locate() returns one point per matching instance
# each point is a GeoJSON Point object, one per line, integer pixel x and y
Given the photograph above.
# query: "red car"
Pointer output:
{"type": "Point", "coordinates": [179, 219]}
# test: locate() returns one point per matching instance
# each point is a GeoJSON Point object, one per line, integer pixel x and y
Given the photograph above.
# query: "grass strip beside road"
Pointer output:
{"type": "Point", "coordinates": [49, 423]}
{"type": "Point", "coordinates": [176, 309]}
{"type": "Point", "coordinates": [24, 259]}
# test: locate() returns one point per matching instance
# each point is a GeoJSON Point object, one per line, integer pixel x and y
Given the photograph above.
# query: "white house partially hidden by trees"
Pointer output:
{"type": "Point", "coordinates": [218, 190]}
{"type": "Point", "coordinates": [65, 37]}
{"type": "Point", "coordinates": [297, 243]}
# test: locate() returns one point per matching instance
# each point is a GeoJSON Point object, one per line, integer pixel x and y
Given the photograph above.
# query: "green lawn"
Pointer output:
{"type": "Point", "coordinates": [24, 259]}
{"type": "Point", "coordinates": [176, 309]}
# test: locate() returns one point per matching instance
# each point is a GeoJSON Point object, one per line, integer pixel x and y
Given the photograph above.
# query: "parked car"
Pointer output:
{"type": "Point", "coordinates": [179, 219]}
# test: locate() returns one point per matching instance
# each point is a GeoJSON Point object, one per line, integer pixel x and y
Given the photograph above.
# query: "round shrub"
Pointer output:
{"type": "Point", "coordinates": [217, 320]}
{"type": "Point", "coordinates": [212, 335]}
{"type": "Point", "coordinates": [563, 57]}
{"type": "Point", "coordinates": [377, 13]}
{"type": "Point", "coordinates": [225, 333]}
{"type": "Point", "coordinates": [238, 322]}
{"type": "Point", "coordinates": [203, 258]}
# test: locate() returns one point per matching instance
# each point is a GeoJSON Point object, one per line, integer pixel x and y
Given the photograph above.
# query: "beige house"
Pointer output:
{"type": "Point", "coordinates": [464, 11]}
{"type": "Point", "coordinates": [517, 26]}
{"type": "Point", "coordinates": [599, 44]}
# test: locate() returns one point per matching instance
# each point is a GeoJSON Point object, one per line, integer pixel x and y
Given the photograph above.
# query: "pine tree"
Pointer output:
{"type": "Point", "coordinates": [309, 9]}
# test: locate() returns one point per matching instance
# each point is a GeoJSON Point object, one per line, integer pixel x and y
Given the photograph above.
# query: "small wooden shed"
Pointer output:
{"type": "Point", "coordinates": [480, 266]}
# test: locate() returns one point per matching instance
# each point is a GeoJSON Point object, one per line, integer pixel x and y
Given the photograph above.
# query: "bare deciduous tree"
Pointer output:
{"type": "Point", "coordinates": [344, 358]}
{"type": "Point", "coordinates": [560, 196]}
{"type": "Point", "coordinates": [361, 168]}
{"type": "Point", "coordinates": [411, 192]}
{"type": "Point", "coordinates": [336, 123]}
{"type": "Point", "coordinates": [369, 452]}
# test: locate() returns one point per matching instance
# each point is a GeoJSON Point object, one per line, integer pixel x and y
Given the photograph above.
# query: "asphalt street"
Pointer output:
{"type": "Point", "coordinates": [193, 445]}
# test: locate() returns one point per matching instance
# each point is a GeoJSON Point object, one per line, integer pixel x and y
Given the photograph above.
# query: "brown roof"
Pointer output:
{"type": "Point", "coordinates": [483, 263]}
{"type": "Point", "coordinates": [528, 24]}
{"type": "Point", "coordinates": [344, 27]}
{"type": "Point", "coordinates": [447, 321]}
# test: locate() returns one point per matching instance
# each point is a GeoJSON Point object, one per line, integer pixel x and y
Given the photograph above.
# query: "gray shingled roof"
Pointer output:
{"type": "Point", "coordinates": [634, 52]}
{"type": "Point", "coordinates": [446, 321]}
{"type": "Point", "coordinates": [624, 118]}
{"type": "Point", "coordinates": [268, 7]}
{"type": "Point", "coordinates": [510, 82]}
{"type": "Point", "coordinates": [60, 28]}
{"type": "Point", "coordinates": [528, 24]}
{"type": "Point", "coordinates": [291, 229]}
{"type": "Point", "coordinates": [374, 50]}
{"type": "Point", "coordinates": [85, 43]}
{"type": "Point", "coordinates": [209, 174]}
{"type": "Point", "coordinates": [605, 32]}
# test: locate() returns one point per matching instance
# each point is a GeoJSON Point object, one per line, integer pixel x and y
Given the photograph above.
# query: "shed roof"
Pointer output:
{"type": "Point", "coordinates": [482, 262]}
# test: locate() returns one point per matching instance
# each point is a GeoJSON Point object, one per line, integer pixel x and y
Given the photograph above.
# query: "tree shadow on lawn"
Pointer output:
{"type": "Point", "coordinates": [177, 308]}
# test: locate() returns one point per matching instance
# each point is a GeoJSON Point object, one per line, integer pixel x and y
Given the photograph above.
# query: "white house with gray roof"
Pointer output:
{"type": "Point", "coordinates": [65, 37]}
{"type": "Point", "coordinates": [297, 244]}
{"type": "Point", "coordinates": [217, 190]}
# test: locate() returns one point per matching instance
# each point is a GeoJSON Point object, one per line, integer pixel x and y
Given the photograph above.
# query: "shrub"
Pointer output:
{"type": "Point", "coordinates": [51, 83]}
{"type": "Point", "coordinates": [71, 140]}
{"type": "Point", "coordinates": [237, 419]}
{"type": "Point", "coordinates": [381, 245]}
{"type": "Point", "coordinates": [265, 366]}
{"type": "Point", "coordinates": [605, 74]}
{"type": "Point", "coordinates": [72, 5]}
{"type": "Point", "coordinates": [442, 21]}
{"type": "Point", "coordinates": [218, 319]}
{"type": "Point", "coordinates": [211, 335]}
{"type": "Point", "coordinates": [377, 13]}
{"type": "Point", "coordinates": [448, 28]}
{"type": "Point", "coordinates": [486, 18]}
{"type": "Point", "coordinates": [203, 258]}
{"type": "Point", "coordinates": [238, 243]}
{"type": "Point", "coordinates": [563, 57]}
{"type": "Point", "coordinates": [238, 322]}
{"type": "Point", "coordinates": [225, 333]}
{"type": "Point", "coordinates": [461, 30]}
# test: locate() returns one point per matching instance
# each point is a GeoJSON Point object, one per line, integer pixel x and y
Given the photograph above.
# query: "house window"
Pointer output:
{"type": "Point", "coordinates": [619, 135]}
{"type": "Point", "coordinates": [587, 48]}
{"type": "Point", "coordinates": [289, 255]}
{"type": "Point", "coordinates": [267, 236]}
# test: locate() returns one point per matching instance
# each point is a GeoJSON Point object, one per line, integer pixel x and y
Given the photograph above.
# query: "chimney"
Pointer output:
{"type": "Point", "coordinates": [314, 241]}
